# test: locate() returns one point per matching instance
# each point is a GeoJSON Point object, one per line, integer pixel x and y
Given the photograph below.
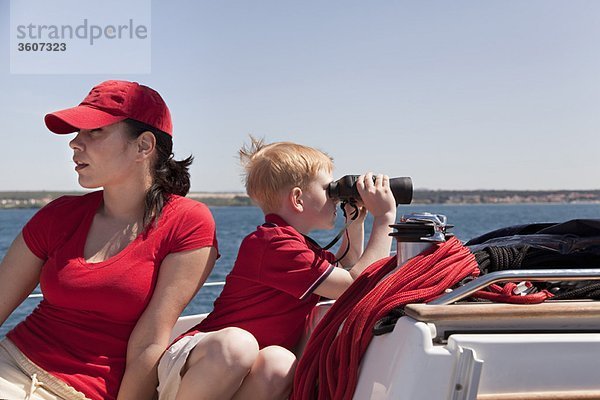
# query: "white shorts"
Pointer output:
{"type": "Point", "coordinates": [171, 364]}
{"type": "Point", "coordinates": [21, 379]}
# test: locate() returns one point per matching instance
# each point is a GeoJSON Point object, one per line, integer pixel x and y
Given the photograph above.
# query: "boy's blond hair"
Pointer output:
{"type": "Point", "coordinates": [273, 168]}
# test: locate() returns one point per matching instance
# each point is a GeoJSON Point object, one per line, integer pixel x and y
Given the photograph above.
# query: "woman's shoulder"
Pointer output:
{"type": "Point", "coordinates": [56, 219]}
{"type": "Point", "coordinates": [69, 203]}
{"type": "Point", "coordinates": [187, 224]}
{"type": "Point", "coordinates": [180, 206]}
{"type": "Point", "coordinates": [185, 203]}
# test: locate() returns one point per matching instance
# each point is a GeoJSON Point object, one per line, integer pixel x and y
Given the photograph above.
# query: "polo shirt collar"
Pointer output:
{"type": "Point", "coordinates": [276, 219]}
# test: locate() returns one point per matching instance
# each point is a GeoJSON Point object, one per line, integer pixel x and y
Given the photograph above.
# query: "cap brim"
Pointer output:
{"type": "Point", "coordinates": [80, 117]}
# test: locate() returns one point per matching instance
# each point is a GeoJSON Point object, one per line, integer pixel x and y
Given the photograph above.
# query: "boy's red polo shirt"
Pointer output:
{"type": "Point", "coordinates": [269, 291]}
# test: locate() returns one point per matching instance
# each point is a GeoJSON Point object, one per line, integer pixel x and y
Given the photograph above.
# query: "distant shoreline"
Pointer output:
{"type": "Point", "coordinates": [37, 199]}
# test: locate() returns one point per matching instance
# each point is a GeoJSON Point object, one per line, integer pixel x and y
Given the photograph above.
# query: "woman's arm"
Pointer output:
{"type": "Point", "coordinates": [19, 275]}
{"type": "Point", "coordinates": [181, 276]}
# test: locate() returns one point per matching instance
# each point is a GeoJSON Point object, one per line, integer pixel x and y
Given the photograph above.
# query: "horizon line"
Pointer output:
{"type": "Point", "coordinates": [245, 194]}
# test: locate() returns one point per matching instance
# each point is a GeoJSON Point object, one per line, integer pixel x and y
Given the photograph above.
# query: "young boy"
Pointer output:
{"type": "Point", "coordinates": [278, 276]}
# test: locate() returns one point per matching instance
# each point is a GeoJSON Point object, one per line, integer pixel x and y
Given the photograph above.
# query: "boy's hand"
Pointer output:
{"type": "Point", "coordinates": [377, 196]}
{"type": "Point", "coordinates": [349, 211]}
{"type": "Point", "coordinates": [378, 199]}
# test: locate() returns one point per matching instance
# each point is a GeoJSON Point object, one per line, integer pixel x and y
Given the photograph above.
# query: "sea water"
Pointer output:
{"type": "Point", "coordinates": [233, 223]}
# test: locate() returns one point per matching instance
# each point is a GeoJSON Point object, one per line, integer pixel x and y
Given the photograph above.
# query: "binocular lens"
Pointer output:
{"type": "Point", "coordinates": [345, 189]}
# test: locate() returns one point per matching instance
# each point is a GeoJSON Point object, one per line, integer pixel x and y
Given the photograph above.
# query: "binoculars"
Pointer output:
{"type": "Point", "coordinates": [344, 189]}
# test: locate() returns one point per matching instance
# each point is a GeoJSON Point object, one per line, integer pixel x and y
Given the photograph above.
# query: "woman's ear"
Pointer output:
{"type": "Point", "coordinates": [146, 143]}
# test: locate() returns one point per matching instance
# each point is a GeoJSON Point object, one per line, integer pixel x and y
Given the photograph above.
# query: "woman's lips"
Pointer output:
{"type": "Point", "coordinates": [79, 165]}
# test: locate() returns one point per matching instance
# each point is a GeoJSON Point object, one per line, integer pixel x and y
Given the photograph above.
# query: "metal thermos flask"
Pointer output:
{"type": "Point", "coordinates": [417, 232]}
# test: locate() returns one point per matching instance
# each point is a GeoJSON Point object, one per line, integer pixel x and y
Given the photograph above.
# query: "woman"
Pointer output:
{"type": "Point", "coordinates": [116, 266]}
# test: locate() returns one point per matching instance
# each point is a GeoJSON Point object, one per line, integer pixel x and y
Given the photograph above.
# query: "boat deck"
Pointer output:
{"type": "Point", "coordinates": [572, 316]}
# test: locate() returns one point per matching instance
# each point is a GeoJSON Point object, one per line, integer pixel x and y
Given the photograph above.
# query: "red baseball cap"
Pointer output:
{"type": "Point", "coordinates": [111, 102]}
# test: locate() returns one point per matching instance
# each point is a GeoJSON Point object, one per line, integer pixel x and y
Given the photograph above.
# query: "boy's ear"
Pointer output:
{"type": "Point", "coordinates": [296, 200]}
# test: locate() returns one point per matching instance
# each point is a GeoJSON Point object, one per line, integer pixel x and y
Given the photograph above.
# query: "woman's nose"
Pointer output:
{"type": "Point", "coordinates": [75, 143]}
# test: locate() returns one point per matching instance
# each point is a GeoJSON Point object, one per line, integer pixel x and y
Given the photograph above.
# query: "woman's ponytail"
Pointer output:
{"type": "Point", "coordinates": [168, 175]}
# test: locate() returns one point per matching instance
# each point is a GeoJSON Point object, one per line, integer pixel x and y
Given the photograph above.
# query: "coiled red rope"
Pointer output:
{"type": "Point", "coordinates": [329, 366]}
{"type": "Point", "coordinates": [506, 294]}
{"type": "Point", "coordinates": [328, 369]}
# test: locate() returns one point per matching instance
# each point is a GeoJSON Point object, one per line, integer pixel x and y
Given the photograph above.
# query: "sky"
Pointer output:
{"type": "Point", "coordinates": [458, 95]}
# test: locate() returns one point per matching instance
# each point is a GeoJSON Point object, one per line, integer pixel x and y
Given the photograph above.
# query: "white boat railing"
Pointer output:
{"type": "Point", "coordinates": [207, 284]}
